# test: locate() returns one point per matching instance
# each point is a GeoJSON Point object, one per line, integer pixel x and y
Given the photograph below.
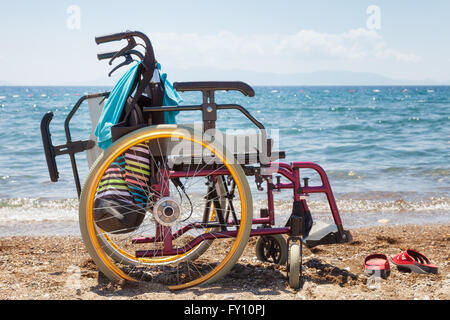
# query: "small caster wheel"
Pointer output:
{"type": "Point", "coordinates": [271, 248]}
{"type": "Point", "coordinates": [294, 266]}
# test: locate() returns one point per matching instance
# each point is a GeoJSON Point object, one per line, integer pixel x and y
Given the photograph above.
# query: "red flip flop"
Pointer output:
{"type": "Point", "coordinates": [413, 261]}
{"type": "Point", "coordinates": [377, 264]}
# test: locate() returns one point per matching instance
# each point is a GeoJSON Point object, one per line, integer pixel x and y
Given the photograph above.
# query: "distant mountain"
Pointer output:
{"type": "Point", "coordinates": [311, 78]}
{"type": "Point", "coordinates": [322, 78]}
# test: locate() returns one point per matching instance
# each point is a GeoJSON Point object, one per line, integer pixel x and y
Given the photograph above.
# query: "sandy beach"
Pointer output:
{"type": "Point", "coordinates": [60, 268]}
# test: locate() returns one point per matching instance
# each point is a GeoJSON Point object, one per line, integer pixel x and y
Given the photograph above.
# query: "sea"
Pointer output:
{"type": "Point", "coordinates": [386, 150]}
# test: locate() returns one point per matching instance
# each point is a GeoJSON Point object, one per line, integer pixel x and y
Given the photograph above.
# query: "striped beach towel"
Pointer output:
{"type": "Point", "coordinates": [123, 192]}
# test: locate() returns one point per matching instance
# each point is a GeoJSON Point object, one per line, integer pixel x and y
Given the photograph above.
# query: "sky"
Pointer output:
{"type": "Point", "coordinates": [52, 42]}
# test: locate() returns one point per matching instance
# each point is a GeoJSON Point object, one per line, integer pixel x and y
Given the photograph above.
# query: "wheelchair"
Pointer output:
{"type": "Point", "coordinates": [171, 203]}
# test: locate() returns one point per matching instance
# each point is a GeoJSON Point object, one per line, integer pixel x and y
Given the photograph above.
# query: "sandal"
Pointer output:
{"type": "Point", "coordinates": [413, 261]}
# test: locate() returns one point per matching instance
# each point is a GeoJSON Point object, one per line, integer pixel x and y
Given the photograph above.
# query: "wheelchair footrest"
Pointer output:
{"type": "Point", "coordinates": [324, 233]}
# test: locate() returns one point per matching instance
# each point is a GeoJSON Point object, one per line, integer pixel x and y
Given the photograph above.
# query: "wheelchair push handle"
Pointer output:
{"type": "Point", "coordinates": [112, 37]}
{"type": "Point", "coordinates": [109, 55]}
{"type": "Point", "coordinates": [123, 53]}
{"type": "Point", "coordinates": [149, 58]}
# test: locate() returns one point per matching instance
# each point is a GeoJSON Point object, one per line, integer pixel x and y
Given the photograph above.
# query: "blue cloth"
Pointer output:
{"type": "Point", "coordinates": [113, 109]}
{"type": "Point", "coordinates": [171, 97]}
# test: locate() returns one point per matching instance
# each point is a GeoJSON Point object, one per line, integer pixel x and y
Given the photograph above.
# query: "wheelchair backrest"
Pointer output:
{"type": "Point", "coordinates": [95, 109]}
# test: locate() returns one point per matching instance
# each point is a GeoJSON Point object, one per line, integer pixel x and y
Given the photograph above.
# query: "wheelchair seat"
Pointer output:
{"type": "Point", "coordinates": [246, 148]}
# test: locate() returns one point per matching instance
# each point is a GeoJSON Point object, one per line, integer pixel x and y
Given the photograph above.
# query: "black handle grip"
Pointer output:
{"type": "Point", "coordinates": [48, 147]}
{"type": "Point", "coordinates": [109, 55]}
{"type": "Point", "coordinates": [106, 55]}
{"type": "Point", "coordinates": [112, 37]}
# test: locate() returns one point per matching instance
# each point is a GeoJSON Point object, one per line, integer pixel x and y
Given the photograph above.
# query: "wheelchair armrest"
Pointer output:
{"type": "Point", "coordinates": [215, 85]}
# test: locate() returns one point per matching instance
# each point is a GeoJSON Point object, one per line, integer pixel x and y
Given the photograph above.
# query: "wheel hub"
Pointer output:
{"type": "Point", "coordinates": [166, 211]}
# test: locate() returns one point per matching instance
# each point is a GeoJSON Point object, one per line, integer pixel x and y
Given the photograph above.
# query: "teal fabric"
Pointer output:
{"type": "Point", "coordinates": [113, 109]}
{"type": "Point", "coordinates": [171, 97]}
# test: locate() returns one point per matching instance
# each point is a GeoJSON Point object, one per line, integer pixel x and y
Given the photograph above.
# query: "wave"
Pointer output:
{"type": "Point", "coordinates": [435, 204]}
{"type": "Point", "coordinates": [433, 172]}
{"type": "Point", "coordinates": [37, 217]}
{"type": "Point", "coordinates": [67, 209]}
{"type": "Point", "coordinates": [39, 203]}
{"type": "Point", "coordinates": [392, 206]}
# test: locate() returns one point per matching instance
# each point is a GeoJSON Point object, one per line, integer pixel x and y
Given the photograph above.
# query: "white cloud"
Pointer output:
{"type": "Point", "coordinates": [286, 51]}
{"type": "Point", "coordinates": [353, 44]}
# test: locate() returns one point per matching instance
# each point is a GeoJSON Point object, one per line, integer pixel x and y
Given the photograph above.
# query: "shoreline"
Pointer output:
{"type": "Point", "coordinates": [40, 268]}
{"type": "Point", "coordinates": [44, 217]}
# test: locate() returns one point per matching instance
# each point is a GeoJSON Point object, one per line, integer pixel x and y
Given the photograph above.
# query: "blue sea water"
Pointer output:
{"type": "Point", "coordinates": [385, 149]}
